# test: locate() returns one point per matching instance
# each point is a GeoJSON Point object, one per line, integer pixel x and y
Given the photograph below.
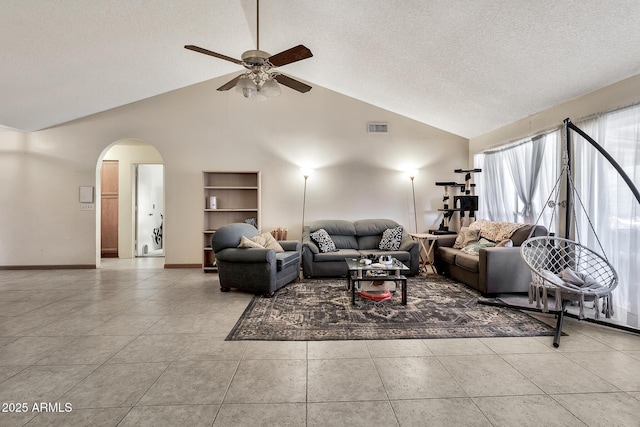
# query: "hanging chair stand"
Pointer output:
{"type": "Point", "coordinates": [563, 268]}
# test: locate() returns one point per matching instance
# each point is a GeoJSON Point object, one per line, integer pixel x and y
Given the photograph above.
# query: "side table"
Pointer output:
{"type": "Point", "coordinates": [426, 252]}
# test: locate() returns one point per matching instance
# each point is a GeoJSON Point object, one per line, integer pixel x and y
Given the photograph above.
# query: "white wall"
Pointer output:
{"type": "Point", "coordinates": [357, 175]}
{"type": "Point", "coordinates": [621, 94]}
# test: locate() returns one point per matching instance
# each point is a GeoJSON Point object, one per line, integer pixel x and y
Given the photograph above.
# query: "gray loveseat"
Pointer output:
{"type": "Point", "coordinates": [494, 270]}
{"type": "Point", "coordinates": [257, 270]}
{"type": "Point", "coordinates": [353, 240]}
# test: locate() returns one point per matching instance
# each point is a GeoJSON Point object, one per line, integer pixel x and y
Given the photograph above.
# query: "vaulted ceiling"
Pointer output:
{"type": "Point", "coordinates": [464, 66]}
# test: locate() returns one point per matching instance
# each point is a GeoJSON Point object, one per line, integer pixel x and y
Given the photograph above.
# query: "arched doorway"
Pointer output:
{"type": "Point", "coordinates": [140, 193]}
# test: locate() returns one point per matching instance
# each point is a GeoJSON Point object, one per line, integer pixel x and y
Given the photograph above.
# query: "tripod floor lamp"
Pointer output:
{"type": "Point", "coordinates": [412, 174]}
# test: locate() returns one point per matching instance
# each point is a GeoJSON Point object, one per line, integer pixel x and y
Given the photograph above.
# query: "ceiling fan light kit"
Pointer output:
{"type": "Point", "coordinates": [260, 81]}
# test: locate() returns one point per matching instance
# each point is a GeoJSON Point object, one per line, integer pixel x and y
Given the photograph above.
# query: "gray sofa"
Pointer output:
{"type": "Point", "coordinates": [494, 270]}
{"type": "Point", "coordinates": [354, 240]}
{"type": "Point", "coordinates": [257, 270]}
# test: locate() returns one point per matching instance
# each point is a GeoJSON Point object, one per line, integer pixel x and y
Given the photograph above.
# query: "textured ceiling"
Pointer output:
{"type": "Point", "coordinates": [467, 67]}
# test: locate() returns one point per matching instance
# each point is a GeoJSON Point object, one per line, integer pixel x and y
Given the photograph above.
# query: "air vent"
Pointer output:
{"type": "Point", "coordinates": [377, 128]}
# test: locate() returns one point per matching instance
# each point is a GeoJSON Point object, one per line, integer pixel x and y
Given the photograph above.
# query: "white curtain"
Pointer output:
{"type": "Point", "coordinates": [496, 195]}
{"type": "Point", "coordinates": [609, 203]}
{"type": "Point", "coordinates": [517, 181]}
{"type": "Point", "coordinates": [524, 165]}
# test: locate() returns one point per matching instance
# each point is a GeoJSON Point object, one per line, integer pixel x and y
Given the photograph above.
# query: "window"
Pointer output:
{"type": "Point", "coordinates": [510, 189]}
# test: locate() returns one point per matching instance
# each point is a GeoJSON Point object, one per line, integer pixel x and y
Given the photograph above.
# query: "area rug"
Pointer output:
{"type": "Point", "coordinates": [320, 309]}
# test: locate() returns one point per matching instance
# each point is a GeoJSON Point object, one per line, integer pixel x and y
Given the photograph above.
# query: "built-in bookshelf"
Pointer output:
{"type": "Point", "coordinates": [228, 197]}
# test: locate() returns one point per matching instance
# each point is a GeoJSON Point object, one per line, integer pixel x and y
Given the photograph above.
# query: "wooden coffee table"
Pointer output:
{"type": "Point", "coordinates": [358, 274]}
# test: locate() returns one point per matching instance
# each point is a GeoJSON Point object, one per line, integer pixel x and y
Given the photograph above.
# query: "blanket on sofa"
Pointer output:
{"type": "Point", "coordinates": [495, 231]}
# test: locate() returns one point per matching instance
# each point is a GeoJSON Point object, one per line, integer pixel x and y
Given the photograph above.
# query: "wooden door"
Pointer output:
{"type": "Point", "coordinates": [109, 211]}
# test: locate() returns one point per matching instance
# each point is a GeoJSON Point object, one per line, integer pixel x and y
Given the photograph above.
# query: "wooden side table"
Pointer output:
{"type": "Point", "coordinates": [426, 252]}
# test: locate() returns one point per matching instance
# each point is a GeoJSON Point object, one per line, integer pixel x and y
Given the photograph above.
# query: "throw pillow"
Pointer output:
{"type": "Point", "coordinates": [323, 240]}
{"type": "Point", "coordinates": [549, 276]}
{"type": "Point", "coordinates": [246, 243]}
{"type": "Point", "coordinates": [391, 239]}
{"type": "Point", "coordinates": [465, 237]}
{"type": "Point", "coordinates": [271, 243]}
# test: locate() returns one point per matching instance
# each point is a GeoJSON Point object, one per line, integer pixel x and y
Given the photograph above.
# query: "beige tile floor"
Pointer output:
{"type": "Point", "coordinates": [133, 344]}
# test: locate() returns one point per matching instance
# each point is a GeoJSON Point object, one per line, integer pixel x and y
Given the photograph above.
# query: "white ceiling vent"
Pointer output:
{"type": "Point", "coordinates": [377, 127]}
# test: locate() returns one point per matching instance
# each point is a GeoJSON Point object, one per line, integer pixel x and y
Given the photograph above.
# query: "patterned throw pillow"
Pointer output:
{"type": "Point", "coordinates": [323, 240]}
{"type": "Point", "coordinates": [466, 236]}
{"type": "Point", "coordinates": [391, 239]}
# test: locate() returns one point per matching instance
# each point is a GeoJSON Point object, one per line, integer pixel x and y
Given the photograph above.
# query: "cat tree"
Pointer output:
{"type": "Point", "coordinates": [467, 202]}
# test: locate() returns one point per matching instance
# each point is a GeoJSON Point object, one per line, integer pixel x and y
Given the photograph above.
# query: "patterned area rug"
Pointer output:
{"type": "Point", "coordinates": [320, 309]}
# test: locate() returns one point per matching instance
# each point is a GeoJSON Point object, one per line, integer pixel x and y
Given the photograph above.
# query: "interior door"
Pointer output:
{"type": "Point", "coordinates": [149, 208]}
{"type": "Point", "coordinates": [109, 210]}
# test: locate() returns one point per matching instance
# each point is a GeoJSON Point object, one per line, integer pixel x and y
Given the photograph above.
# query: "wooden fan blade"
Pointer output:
{"type": "Point", "coordinates": [208, 52]}
{"type": "Point", "coordinates": [292, 83]}
{"type": "Point", "coordinates": [231, 83]}
{"type": "Point", "coordinates": [290, 55]}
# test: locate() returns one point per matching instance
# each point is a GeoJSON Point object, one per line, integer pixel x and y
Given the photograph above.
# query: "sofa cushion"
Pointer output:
{"type": "Point", "coordinates": [522, 234]}
{"type": "Point", "coordinates": [373, 227]}
{"type": "Point", "coordinates": [338, 255]}
{"type": "Point", "coordinates": [468, 262]}
{"type": "Point", "coordinates": [447, 254]}
{"type": "Point", "coordinates": [323, 240]}
{"type": "Point", "coordinates": [345, 242]}
{"type": "Point", "coordinates": [391, 239]}
{"type": "Point", "coordinates": [229, 236]}
{"type": "Point", "coordinates": [334, 227]}
{"type": "Point", "coordinates": [369, 242]}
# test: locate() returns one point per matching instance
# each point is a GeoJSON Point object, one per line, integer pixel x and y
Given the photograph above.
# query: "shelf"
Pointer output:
{"type": "Point", "coordinates": [237, 198]}
{"type": "Point", "coordinates": [210, 187]}
{"type": "Point", "coordinates": [233, 210]}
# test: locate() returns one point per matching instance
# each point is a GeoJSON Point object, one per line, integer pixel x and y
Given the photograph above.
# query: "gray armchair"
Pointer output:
{"type": "Point", "coordinates": [257, 270]}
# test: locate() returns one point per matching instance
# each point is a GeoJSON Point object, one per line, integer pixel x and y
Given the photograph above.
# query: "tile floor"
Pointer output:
{"type": "Point", "coordinates": [133, 344]}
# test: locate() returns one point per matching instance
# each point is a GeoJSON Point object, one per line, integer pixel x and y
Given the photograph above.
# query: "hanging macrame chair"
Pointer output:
{"type": "Point", "coordinates": [564, 271]}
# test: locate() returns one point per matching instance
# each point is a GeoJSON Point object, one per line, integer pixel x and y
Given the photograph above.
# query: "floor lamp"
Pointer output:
{"type": "Point", "coordinates": [412, 175]}
{"type": "Point", "coordinates": [306, 173]}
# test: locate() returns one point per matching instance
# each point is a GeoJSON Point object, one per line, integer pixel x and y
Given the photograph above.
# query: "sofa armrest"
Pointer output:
{"type": "Point", "coordinates": [291, 245]}
{"type": "Point", "coordinates": [407, 243]}
{"type": "Point", "coordinates": [502, 270]}
{"type": "Point", "coordinates": [307, 243]}
{"type": "Point", "coordinates": [250, 255]}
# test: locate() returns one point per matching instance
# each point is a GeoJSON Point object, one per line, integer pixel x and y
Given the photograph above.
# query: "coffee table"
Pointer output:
{"type": "Point", "coordinates": [358, 274]}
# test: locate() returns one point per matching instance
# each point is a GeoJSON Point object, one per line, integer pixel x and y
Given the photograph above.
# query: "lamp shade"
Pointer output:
{"type": "Point", "coordinates": [306, 172]}
{"type": "Point", "coordinates": [246, 87]}
{"type": "Point", "coordinates": [270, 88]}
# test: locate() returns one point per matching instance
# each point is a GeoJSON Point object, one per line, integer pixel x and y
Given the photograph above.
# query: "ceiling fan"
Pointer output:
{"type": "Point", "coordinates": [261, 79]}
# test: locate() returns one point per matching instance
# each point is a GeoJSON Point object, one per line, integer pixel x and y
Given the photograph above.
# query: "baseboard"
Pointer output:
{"type": "Point", "coordinates": [49, 267]}
{"type": "Point", "coordinates": [183, 266]}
